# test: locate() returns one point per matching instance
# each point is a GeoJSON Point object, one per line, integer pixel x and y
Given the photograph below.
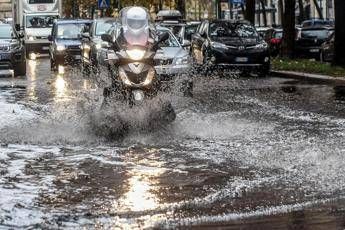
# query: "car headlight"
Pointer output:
{"type": "Point", "coordinates": [60, 47]}
{"type": "Point", "coordinates": [31, 38]}
{"type": "Point", "coordinates": [261, 46]}
{"type": "Point", "coordinates": [136, 54]}
{"type": "Point", "coordinates": [182, 60]}
{"type": "Point", "coordinates": [218, 45]}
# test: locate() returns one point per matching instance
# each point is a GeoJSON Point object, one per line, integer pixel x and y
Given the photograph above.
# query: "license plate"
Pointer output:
{"type": "Point", "coordinates": [241, 59]}
{"type": "Point", "coordinates": [78, 57]}
{"type": "Point", "coordinates": [45, 48]}
{"type": "Point", "coordinates": [314, 50]}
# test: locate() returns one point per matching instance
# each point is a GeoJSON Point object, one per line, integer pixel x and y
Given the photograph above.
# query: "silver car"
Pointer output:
{"type": "Point", "coordinates": [172, 58]}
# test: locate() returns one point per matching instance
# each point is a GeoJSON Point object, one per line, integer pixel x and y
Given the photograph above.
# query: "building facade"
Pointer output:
{"type": "Point", "coordinates": [5, 9]}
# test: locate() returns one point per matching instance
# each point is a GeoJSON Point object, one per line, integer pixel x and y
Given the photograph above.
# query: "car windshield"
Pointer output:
{"type": "Point", "coordinates": [175, 29]}
{"type": "Point", "coordinates": [323, 33]}
{"type": "Point", "coordinates": [190, 29]}
{"type": "Point", "coordinates": [5, 32]}
{"type": "Point", "coordinates": [228, 29]}
{"type": "Point", "coordinates": [69, 31]}
{"type": "Point", "coordinates": [278, 35]}
{"type": "Point", "coordinates": [40, 21]}
{"type": "Point", "coordinates": [170, 42]}
{"type": "Point", "coordinates": [103, 27]}
{"type": "Point", "coordinates": [318, 23]}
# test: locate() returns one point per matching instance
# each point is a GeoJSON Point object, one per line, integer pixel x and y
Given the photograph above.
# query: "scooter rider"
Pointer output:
{"type": "Point", "coordinates": [135, 28]}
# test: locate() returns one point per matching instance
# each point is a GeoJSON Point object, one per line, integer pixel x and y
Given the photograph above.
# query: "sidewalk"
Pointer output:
{"type": "Point", "coordinates": [309, 77]}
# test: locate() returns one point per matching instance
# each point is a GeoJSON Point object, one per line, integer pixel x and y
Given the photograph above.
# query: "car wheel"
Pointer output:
{"type": "Point", "coordinates": [263, 71]}
{"type": "Point", "coordinates": [20, 69]}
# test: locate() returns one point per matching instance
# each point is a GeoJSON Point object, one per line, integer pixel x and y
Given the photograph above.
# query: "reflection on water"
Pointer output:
{"type": "Point", "coordinates": [60, 88]}
{"type": "Point", "coordinates": [32, 85]}
{"type": "Point", "coordinates": [141, 185]}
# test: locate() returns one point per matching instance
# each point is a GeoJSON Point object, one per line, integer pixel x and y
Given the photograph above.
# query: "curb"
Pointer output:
{"type": "Point", "coordinates": [309, 77]}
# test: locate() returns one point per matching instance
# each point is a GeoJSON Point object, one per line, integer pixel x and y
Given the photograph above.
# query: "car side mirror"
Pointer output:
{"type": "Point", "coordinates": [107, 38]}
{"type": "Point", "coordinates": [50, 38]}
{"type": "Point", "coordinates": [165, 36]}
{"type": "Point", "coordinates": [186, 43]}
{"type": "Point", "coordinates": [204, 35]}
{"type": "Point", "coordinates": [17, 27]}
{"type": "Point", "coordinates": [85, 35]}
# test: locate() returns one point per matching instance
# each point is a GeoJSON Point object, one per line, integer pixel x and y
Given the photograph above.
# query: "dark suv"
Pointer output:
{"type": "Point", "coordinates": [310, 39]}
{"type": "Point", "coordinates": [12, 51]}
{"type": "Point", "coordinates": [65, 47]}
{"type": "Point", "coordinates": [231, 44]}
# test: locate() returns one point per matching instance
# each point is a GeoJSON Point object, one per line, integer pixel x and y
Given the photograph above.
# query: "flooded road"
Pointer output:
{"type": "Point", "coordinates": [243, 153]}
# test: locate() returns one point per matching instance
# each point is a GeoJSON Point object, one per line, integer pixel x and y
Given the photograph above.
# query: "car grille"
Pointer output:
{"type": "Point", "coordinates": [164, 62]}
{"type": "Point", "coordinates": [4, 65]}
{"type": "Point", "coordinates": [4, 48]}
{"type": "Point", "coordinates": [41, 37]}
{"type": "Point", "coordinates": [309, 42]}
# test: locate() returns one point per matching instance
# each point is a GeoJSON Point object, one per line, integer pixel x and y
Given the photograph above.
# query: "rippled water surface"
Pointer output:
{"type": "Point", "coordinates": [249, 152]}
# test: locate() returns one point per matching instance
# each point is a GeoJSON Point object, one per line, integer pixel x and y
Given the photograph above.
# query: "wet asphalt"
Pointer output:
{"type": "Point", "coordinates": [244, 153]}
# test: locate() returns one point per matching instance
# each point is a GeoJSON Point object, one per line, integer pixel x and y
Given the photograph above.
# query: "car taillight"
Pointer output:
{"type": "Point", "coordinates": [275, 41]}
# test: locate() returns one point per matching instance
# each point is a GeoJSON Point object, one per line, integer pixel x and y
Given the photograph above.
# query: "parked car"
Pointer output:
{"type": "Point", "coordinates": [12, 51]}
{"type": "Point", "coordinates": [265, 32]}
{"type": "Point", "coordinates": [231, 44]}
{"type": "Point", "coordinates": [65, 47]}
{"type": "Point", "coordinates": [327, 49]}
{"type": "Point", "coordinates": [310, 39]}
{"type": "Point", "coordinates": [276, 41]}
{"type": "Point", "coordinates": [92, 42]}
{"type": "Point", "coordinates": [317, 23]}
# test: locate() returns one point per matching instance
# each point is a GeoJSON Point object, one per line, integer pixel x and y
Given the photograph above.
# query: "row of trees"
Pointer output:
{"type": "Point", "coordinates": [287, 8]}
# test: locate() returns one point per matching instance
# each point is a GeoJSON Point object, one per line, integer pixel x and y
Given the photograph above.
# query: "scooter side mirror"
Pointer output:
{"type": "Point", "coordinates": [107, 38]}
{"type": "Point", "coordinates": [165, 36]}
{"type": "Point", "coordinates": [17, 27]}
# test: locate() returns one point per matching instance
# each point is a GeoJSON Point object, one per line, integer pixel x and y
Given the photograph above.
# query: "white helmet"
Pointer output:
{"type": "Point", "coordinates": [136, 18]}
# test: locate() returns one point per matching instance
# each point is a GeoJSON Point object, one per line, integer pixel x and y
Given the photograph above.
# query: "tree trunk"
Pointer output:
{"type": "Point", "coordinates": [339, 45]}
{"type": "Point", "coordinates": [281, 11]}
{"type": "Point", "coordinates": [301, 11]}
{"type": "Point", "coordinates": [288, 45]}
{"type": "Point", "coordinates": [263, 5]}
{"type": "Point", "coordinates": [250, 11]}
{"type": "Point", "coordinates": [181, 6]}
{"type": "Point", "coordinates": [318, 9]}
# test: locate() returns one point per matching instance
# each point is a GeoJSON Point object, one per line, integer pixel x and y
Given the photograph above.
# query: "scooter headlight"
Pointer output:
{"type": "Point", "coordinates": [136, 54]}
{"type": "Point", "coordinates": [60, 48]}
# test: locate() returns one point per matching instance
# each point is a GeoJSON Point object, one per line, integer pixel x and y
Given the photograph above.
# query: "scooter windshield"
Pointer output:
{"type": "Point", "coordinates": [135, 22]}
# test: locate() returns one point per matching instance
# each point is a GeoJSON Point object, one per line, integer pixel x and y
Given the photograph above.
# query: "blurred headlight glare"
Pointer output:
{"type": "Point", "coordinates": [136, 54]}
{"type": "Point", "coordinates": [60, 47]}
